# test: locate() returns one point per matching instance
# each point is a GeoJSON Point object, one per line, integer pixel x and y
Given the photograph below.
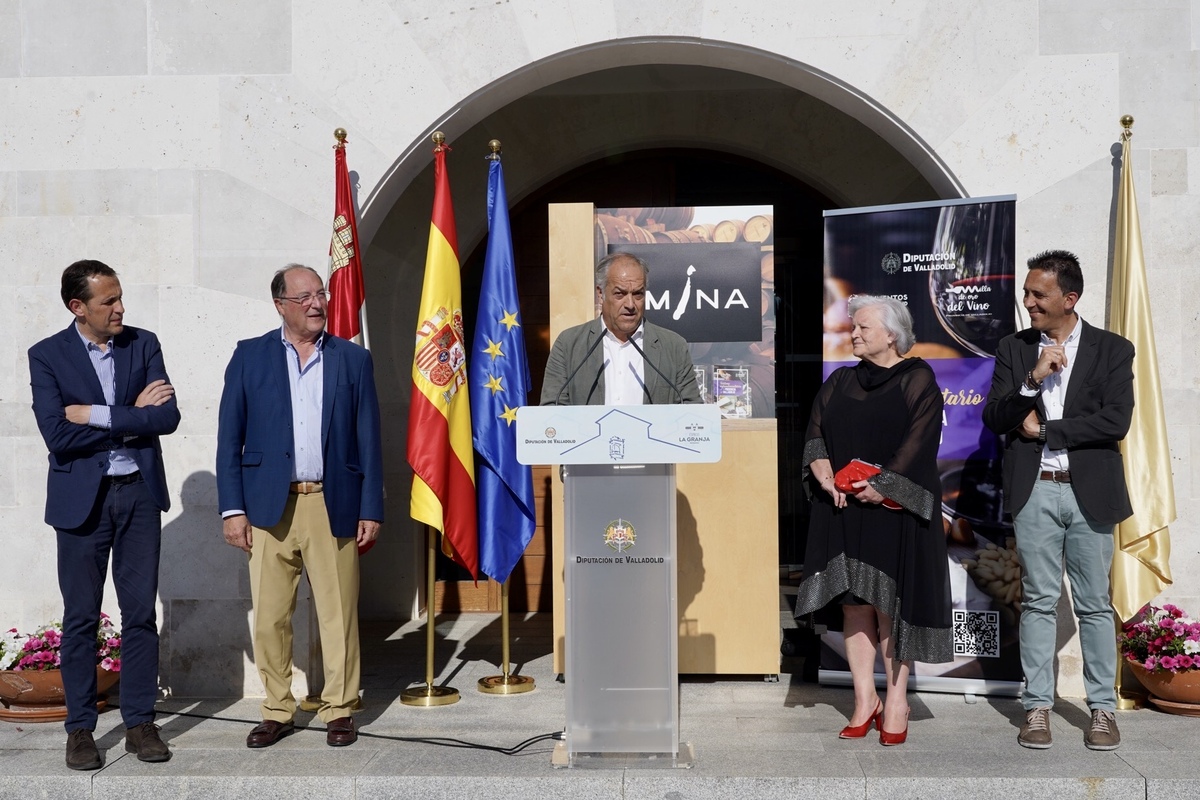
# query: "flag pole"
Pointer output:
{"type": "Point", "coordinates": [505, 683]}
{"type": "Point", "coordinates": [429, 695]}
{"type": "Point", "coordinates": [1132, 697]}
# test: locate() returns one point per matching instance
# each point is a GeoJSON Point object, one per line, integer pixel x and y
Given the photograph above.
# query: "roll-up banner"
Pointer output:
{"type": "Point", "coordinates": [952, 263]}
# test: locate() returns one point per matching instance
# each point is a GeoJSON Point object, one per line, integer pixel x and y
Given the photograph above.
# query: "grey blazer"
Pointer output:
{"type": "Point", "coordinates": [666, 349]}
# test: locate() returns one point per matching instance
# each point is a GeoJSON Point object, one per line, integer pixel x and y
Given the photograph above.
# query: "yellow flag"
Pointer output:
{"type": "Point", "coordinates": [1140, 568]}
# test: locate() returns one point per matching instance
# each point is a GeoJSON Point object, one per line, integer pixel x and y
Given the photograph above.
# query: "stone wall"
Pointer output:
{"type": "Point", "coordinates": [188, 145]}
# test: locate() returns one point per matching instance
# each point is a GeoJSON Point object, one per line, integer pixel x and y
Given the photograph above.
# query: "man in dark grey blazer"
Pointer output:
{"type": "Point", "coordinates": [619, 359]}
{"type": "Point", "coordinates": [1062, 393]}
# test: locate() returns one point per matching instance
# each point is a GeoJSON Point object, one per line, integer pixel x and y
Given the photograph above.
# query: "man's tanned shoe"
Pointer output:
{"type": "Point", "coordinates": [144, 740]}
{"type": "Point", "coordinates": [268, 732]}
{"type": "Point", "coordinates": [81, 750]}
{"type": "Point", "coordinates": [1103, 734]}
{"type": "Point", "coordinates": [1035, 733]}
{"type": "Point", "coordinates": [340, 732]}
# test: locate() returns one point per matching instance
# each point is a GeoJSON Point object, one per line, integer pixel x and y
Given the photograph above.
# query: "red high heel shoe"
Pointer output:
{"type": "Point", "coordinates": [860, 731]}
{"type": "Point", "coordinates": [888, 739]}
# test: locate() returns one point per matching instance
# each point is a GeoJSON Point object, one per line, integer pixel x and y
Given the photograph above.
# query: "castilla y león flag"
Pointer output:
{"type": "Point", "coordinates": [439, 419]}
{"type": "Point", "coordinates": [347, 296]}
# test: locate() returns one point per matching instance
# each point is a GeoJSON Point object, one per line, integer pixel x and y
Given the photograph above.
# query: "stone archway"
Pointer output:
{"type": "Point", "coordinates": [608, 101]}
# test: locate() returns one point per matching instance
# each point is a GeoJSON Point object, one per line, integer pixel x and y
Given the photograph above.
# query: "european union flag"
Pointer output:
{"type": "Point", "coordinates": [499, 375]}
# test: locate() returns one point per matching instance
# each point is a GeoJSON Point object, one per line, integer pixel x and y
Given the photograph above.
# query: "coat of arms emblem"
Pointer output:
{"type": "Point", "coordinates": [620, 535]}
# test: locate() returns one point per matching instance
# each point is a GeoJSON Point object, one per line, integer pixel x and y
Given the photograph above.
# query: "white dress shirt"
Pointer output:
{"type": "Point", "coordinates": [624, 370]}
{"type": "Point", "coordinates": [1054, 393]}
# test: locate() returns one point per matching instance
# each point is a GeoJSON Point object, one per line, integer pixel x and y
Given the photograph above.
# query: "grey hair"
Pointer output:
{"type": "Point", "coordinates": [893, 314]}
{"type": "Point", "coordinates": [606, 262]}
{"type": "Point", "coordinates": [279, 281]}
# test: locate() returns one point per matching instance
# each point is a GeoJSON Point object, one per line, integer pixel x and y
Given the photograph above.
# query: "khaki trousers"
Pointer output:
{"type": "Point", "coordinates": [303, 539]}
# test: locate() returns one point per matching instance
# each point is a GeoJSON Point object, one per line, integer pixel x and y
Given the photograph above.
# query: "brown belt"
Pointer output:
{"type": "Point", "coordinates": [306, 487]}
{"type": "Point", "coordinates": [1058, 475]}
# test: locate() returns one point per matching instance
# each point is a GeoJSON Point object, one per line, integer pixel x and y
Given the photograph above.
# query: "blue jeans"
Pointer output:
{"type": "Point", "coordinates": [1052, 531]}
{"type": "Point", "coordinates": [127, 523]}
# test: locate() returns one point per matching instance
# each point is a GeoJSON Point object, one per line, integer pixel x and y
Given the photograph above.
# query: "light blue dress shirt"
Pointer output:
{"type": "Point", "coordinates": [120, 459]}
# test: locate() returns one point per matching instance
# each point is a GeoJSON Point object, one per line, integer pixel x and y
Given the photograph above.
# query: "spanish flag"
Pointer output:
{"type": "Point", "coordinates": [439, 419]}
{"type": "Point", "coordinates": [1141, 561]}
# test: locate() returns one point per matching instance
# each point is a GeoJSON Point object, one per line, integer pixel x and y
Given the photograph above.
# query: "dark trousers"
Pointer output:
{"type": "Point", "coordinates": [127, 523]}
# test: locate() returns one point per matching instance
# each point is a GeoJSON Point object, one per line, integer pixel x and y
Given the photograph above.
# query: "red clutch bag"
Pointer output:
{"type": "Point", "coordinates": [858, 470]}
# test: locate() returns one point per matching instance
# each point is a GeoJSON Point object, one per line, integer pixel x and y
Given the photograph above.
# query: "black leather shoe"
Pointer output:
{"type": "Point", "coordinates": [268, 732]}
{"type": "Point", "coordinates": [340, 732]}
{"type": "Point", "coordinates": [81, 750]}
{"type": "Point", "coordinates": [144, 740]}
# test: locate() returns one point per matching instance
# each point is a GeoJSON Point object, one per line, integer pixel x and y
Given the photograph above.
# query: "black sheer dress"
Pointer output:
{"type": "Point", "coordinates": [894, 560]}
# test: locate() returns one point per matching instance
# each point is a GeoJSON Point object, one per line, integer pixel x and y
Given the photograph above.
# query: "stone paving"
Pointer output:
{"type": "Point", "coordinates": [752, 739]}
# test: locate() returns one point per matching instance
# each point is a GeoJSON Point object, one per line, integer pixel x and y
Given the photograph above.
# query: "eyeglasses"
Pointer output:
{"type": "Point", "coordinates": [308, 299]}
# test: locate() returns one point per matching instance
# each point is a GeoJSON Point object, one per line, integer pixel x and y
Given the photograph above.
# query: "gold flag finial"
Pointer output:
{"type": "Point", "coordinates": [340, 135]}
{"type": "Point", "coordinates": [439, 141]}
{"type": "Point", "coordinates": [1127, 125]}
{"type": "Point", "coordinates": [494, 146]}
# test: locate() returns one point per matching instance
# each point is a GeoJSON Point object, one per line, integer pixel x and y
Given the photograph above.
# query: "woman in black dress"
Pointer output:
{"type": "Point", "coordinates": [886, 567]}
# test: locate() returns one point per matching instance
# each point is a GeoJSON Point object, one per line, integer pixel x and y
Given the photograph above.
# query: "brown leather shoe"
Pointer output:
{"type": "Point", "coordinates": [81, 750]}
{"type": "Point", "coordinates": [144, 740]}
{"type": "Point", "coordinates": [268, 732]}
{"type": "Point", "coordinates": [340, 732]}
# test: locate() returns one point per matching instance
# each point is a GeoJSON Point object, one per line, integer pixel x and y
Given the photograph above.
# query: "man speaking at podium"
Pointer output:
{"type": "Point", "coordinates": [620, 359]}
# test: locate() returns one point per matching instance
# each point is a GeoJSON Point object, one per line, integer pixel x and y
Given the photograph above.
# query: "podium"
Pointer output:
{"type": "Point", "coordinates": [622, 623]}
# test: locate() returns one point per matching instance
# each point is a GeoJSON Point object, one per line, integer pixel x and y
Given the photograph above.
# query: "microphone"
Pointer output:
{"type": "Point", "coordinates": [578, 367]}
{"type": "Point", "coordinates": [645, 359]}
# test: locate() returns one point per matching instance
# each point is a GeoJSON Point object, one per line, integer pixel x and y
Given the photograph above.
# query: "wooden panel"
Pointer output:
{"type": "Point", "coordinates": [573, 300]}
{"type": "Point", "coordinates": [728, 550]}
{"type": "Point", "coordinates": [728, 525]}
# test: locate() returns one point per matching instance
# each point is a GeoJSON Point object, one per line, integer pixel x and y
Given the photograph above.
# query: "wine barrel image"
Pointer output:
{"type": "Point", "coordinates": [657, 219]}
{"type": "Point", "coordinates": [671, 219]}
{"type": "Point", "coordinates": [760, 228]}
{"type": "Point", "coordinates": [729, 230]}
{"type": "Point", "coordinates": [704, 230]}
{"type": "Point", "coordinates": [768, 268]}
{"type": "Point", "coordinates": [617, 231]}
{"type": "Point", "coordinates": [681, 237]}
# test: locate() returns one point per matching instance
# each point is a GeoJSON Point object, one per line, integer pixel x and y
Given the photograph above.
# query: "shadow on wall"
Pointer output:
{"type": "Point", "coordinates": [204, 589]}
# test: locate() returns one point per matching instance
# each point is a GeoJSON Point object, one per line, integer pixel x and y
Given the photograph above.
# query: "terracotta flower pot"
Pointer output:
{"type": "Point", "coordinates": [1177, 687]}
{"type": "Point", "coordinates": [37, 696]}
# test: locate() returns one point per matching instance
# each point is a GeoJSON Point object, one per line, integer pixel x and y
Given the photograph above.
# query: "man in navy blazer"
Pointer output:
{"type": "Point", "coordinates": [1062, 394]}
{"type": "Point", "coordinates": [300, 484]}
{"type": "Point", "coordinates": [102, 398]}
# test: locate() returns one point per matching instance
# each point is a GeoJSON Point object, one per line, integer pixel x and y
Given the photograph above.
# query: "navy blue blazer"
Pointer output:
{"type": "Point", "coordinates": [255, 439]}
{"type": "Point", "coordinates": [61, 374]}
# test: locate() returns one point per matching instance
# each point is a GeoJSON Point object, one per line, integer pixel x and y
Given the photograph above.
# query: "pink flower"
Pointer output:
{"type": "Point", "coordinates": [107, 664]}
{"type": "Point", "coordinates": [1149, 665]}
{"type": "Point", "coordinates": [1167, 662]}
{"type": "Point", "coordinates": [114, 641]}
{"type": "Point", "coordinates": [1184, 662]}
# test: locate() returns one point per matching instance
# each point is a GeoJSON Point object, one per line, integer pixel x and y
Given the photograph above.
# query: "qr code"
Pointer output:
{"type": "Point", "coordinates": [977, 633]}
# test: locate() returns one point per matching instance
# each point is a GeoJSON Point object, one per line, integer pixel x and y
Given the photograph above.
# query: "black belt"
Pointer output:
{"type": "Point", "coordinates": [124, 480]}
{"type": "Point", "coordinates": [1058, 475]}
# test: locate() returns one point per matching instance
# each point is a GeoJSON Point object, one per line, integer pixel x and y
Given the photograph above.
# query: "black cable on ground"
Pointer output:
{"type": "Point", "coordinates": [438, 741]}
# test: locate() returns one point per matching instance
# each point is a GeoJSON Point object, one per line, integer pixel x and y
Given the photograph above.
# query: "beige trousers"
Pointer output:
{"type": "Point", "coordinates": [303, 539]}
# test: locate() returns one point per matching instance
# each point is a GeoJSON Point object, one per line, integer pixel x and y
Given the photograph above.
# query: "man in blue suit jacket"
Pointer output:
{"type": "Point", "coordinates": [102, 398]}
{"type": "Point", "coordinates": [300, 484]}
